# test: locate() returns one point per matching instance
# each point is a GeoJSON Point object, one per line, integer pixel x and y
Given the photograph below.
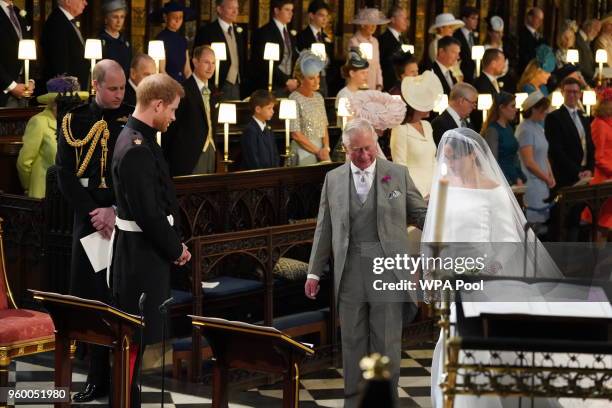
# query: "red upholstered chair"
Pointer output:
{"type": "Point", "coordinates": [22, 331]}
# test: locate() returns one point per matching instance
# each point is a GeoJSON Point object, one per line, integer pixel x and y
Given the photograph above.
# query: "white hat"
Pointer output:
{"type": "Point", "coordinates": [370, 16]}
{"type": "Point", "coordinates": [443, 20]}
{"type": "Point", "coordinates": [496, 23]}
{"type": "Point", "coordinates": [532, 99]}
{"type": "Point", "coordinates": [421, 92]}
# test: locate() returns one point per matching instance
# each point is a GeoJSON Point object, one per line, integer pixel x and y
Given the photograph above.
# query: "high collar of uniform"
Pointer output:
{"type": "Point", "coordinates": [141, 127]}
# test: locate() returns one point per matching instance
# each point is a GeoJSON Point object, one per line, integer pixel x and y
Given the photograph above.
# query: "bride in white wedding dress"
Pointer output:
{"type": "Point", "coordinates": [482, 214]}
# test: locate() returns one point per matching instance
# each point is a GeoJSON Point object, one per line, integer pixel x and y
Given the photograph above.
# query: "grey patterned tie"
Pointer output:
{"type": "Point", "coordinates": [15, 20]}
{"type": "Point", "coordinates": [209, 136]}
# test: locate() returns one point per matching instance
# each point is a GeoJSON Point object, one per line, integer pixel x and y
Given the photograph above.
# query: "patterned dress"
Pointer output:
{"type": "Point", "coordinates": [311, 121]}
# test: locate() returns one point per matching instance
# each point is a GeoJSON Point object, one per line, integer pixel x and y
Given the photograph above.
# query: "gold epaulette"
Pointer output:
{"type": "Point", "coordinates": [98, 133]}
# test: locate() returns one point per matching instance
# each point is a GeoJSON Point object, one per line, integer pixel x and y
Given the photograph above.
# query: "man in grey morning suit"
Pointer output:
{"type": "Point", "coordinates": [365, 208]}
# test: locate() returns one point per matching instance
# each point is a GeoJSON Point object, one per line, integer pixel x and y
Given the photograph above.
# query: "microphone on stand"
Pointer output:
{"type": "Point", "coordinates": [141, 303]}
{"type": "Point", "coordinates": [163, 309]}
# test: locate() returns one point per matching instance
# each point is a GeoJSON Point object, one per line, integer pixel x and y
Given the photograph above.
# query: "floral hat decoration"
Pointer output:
{"type": "Point", "coordinates": [382, 110]}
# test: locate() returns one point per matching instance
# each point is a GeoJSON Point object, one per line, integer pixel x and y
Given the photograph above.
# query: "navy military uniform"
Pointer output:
{"type": "Point", "coordinates": [147, 240]}
{"type": "Point", "coordinates": [84, 180]}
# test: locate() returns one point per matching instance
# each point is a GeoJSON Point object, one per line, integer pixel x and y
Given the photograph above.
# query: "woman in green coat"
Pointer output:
{"type": "Point", "coordinates": [39, 139]}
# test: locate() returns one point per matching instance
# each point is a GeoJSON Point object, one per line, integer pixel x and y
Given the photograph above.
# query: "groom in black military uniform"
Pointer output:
{"type": "Point", "coordinates": [146, 241]}
{"type": "Point", "coordinates": [86, 139]}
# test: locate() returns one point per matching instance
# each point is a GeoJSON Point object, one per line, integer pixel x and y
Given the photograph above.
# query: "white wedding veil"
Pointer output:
{"type": "Point", "coordinates": [481, 211]}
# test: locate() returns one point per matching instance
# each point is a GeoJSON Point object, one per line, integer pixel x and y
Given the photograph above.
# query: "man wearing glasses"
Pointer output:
{"type": "Point", "coordinates": [462, 101]}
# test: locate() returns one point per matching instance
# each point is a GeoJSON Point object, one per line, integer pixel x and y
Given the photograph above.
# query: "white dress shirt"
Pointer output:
{"type": "Point", "coordinates": [395, 33]}
{"type": "Point", "coordinates": [363, 179]}
{"type": "Point", "coordinates": [281, 27]}
{"type": "Point", "coordinates": [574, 114]}
{"type": "Point", "coordinates": [446, 73]}
{"type": "Point", "coordinates": [224, 25]}
{"type": "Point", "coordinates": [454, 115]}
{"type": "Point", "coordinates": [261, 124]}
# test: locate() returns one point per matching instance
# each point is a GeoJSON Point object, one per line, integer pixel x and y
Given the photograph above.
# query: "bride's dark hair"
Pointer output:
{"type": "Point", "coordinates": [461, 145]}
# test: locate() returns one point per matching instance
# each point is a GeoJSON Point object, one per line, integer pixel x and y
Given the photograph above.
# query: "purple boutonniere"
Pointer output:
{"type": "Point", "coordinates": [386, 178]}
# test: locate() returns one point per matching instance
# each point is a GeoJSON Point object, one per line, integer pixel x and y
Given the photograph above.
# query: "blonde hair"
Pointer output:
{"type": "Point", "coordinates": [530, 72]}
{"type": "Point", "coordinates": [158, 86]}
{"type": "Point", "coordinates": [566, 39]}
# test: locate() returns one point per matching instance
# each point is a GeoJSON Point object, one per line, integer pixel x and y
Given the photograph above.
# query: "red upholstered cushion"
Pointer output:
{"type": "Point", "coordinates": [18, 325]}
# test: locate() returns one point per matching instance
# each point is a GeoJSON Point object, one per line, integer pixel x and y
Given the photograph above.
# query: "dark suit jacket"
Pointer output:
{"type": "Point", "coordinates": [468, 66]}
{"type": "Point", "coordinates": [587, 60]}
{"type": "Point", "coordinates": [185, 138]}
{"type": "Point", "coordinates": [10, 66]}
{"type": "Point", "coordinates": [388, 46]}
{"type": "Point", "coordinates": [130, 95]}
{"type": "Point", "coordinates": [441, 124]}
{"type": "Point", "coordinates": [565, 150]}
{"type": "Point", "coordinates": [63, 50]}
{"type": "Point", "coordinates": [259, 149]}
{"type": "Point", "coordinates": [527, 47]}
{"type": "Point", "coordinates": [484, 86]}
{"type": "Point", "coordinates": [261, 36]}
{"type": "Point", "coordinates": [306, 37]}
{"type": "Point", "coordinates": [211, 33]}
{"type": "Point", "coordinates": [436, 70]}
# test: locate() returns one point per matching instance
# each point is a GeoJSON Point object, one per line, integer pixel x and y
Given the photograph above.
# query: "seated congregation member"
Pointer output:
{"type": "Point", "coordinates": [412, 142]}
{"type": "Point", "coordinates": [63, 44]}
{"type": "Point", "coordinates": [538, 72]}
{"type": "Point", "coordinates": [601, 130]}
{"type": "Point", "coordinates": [355, 72]}
{"type": "Point", "coordinates": [391, 42]}
{"type": "Point", "coordinates": [13, 28]}
{"type": "Point", "coordinates": [404, 65]}
{"type": "Point", "coordinates": [499, 134]}
{"type": "Point", "coordinates": [366, 20]}
{"type": "Point", "coordinates": [115, 45]}
{"type": "Point", "coordinates": [189, 144]}
{"type": "Point", "coordinates": [224, 30]}
{"type": "Point", "coordinates": [446, 59]}
{"type": "Point", "coordinates": [318, 15]}
{"type": "Point", "coordinates": [275, 31]}
{"type": "Point", "coordinates": [534, 157]}
{"type": "Point", "coordinates": [467, 36]}
{"type": "Point", "coordinates": [40, 140]}
{"type": "Point", "coordinates": [141, 67]}
{"type": "Point", "coordinates": [310, 142]}
{"type": "Point", "coordinates": [176, 63]}
{"type": "Point", "coordinates": [462, 101]}
{"type": "Point", "coordinates": [259, 149]}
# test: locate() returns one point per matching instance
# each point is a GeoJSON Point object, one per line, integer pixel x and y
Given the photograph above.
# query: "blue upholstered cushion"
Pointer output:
{"type": "Point", "coordinates": [280, 323]}
{"type": "Point", "coordinates": [228, 285]}
{"type": "Point", "coordinates": [184, 344]}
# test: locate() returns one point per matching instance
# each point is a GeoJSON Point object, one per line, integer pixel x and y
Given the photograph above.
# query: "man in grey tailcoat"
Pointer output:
{"type": "Point", "coordinates": [366, 205]}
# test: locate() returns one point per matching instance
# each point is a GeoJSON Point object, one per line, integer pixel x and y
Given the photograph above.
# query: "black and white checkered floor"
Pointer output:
{"type": "Point", "coordinates": [319, 389]}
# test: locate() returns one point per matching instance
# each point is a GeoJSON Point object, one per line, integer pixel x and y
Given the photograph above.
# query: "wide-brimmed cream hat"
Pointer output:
{"type": "Point", "coordinates": [443, 20]}
{"type": "Point", "coordinates": [421, 92]}
{"type": "Point", "coordinates": [532, 99]}
{"type": "Point", "coordinates": [370, 16]}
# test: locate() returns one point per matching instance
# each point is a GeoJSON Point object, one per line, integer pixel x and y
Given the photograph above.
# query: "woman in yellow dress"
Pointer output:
{"type": "Point", "coordinates": [39, 139]}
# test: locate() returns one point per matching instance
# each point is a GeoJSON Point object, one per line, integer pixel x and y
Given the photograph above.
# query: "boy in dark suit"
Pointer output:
{"type": "Point", "coordinates": [318, 14]}
{"type": "Point", "coordinates": [258, 146]}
